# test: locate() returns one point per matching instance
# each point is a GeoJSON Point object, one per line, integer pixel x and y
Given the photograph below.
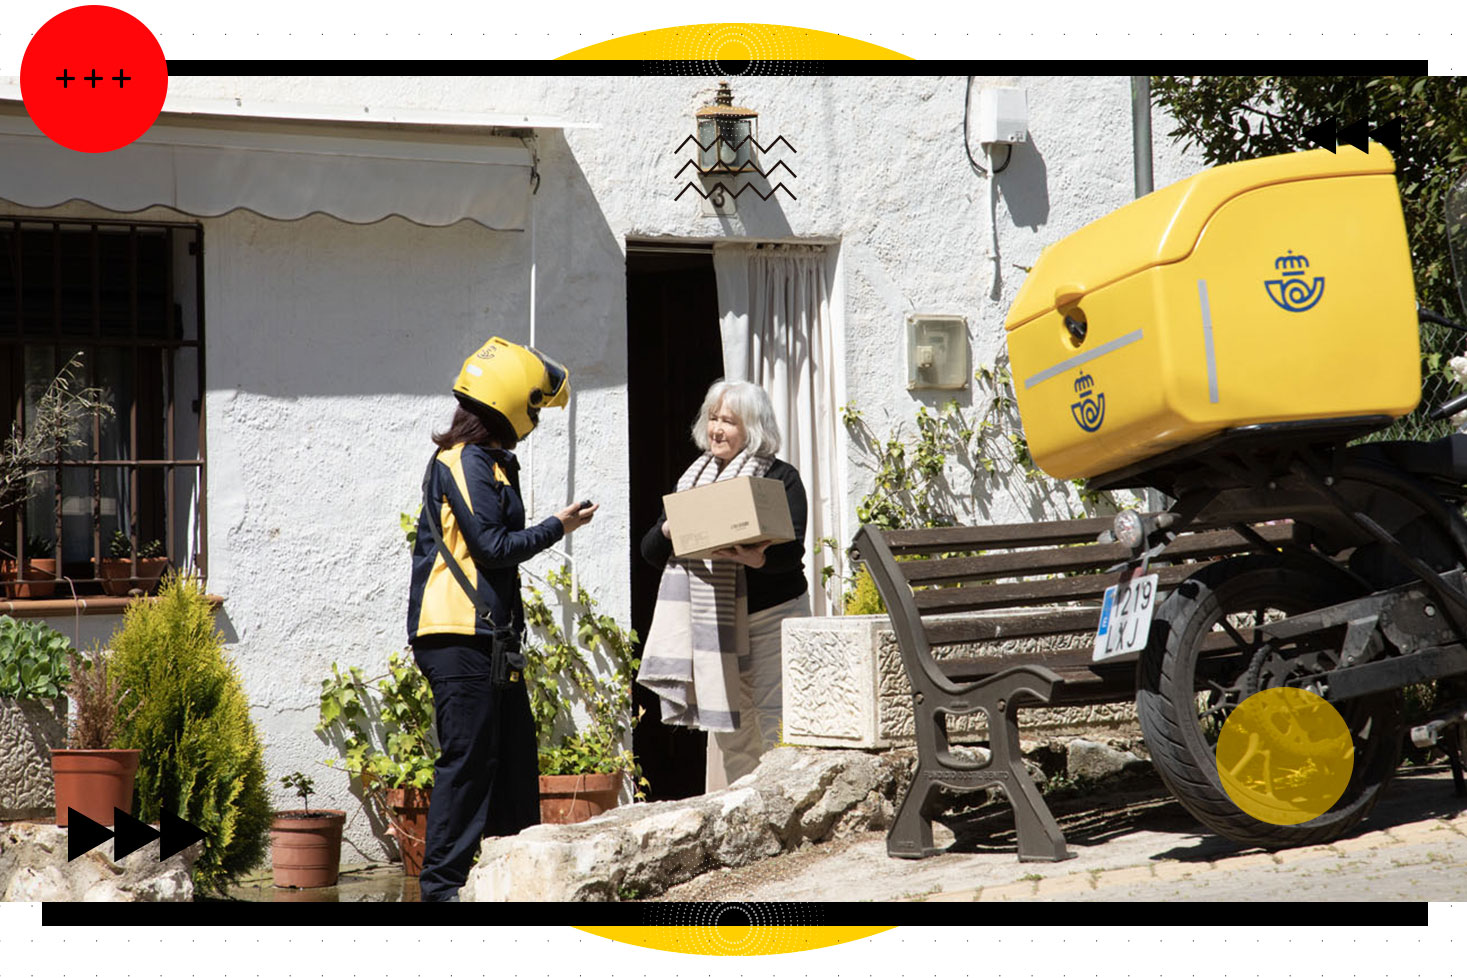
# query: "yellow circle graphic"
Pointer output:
{"type": "Point", "coordinates": [733, 937]}
{"type": "Point", "coordinates": [1285, 756]}
{"type": "Point", "coordinates": [734, 48]}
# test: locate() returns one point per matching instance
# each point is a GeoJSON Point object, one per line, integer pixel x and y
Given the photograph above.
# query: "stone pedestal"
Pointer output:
{"type": "Point", "coordinates": [844, 686]}
{"type": "Point", "coordinates": [29, 730]}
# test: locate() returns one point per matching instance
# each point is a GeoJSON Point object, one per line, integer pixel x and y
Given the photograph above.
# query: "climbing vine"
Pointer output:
{"type": "Point", "coordinates": [911, 485]}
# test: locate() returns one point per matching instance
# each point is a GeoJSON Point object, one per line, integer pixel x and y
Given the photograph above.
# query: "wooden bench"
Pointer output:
{"type": "Point", "coordinates": [1056, 571]}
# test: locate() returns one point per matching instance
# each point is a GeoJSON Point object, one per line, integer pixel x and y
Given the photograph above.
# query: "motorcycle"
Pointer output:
{"type": "Point", "coordinates": [1366, 600]}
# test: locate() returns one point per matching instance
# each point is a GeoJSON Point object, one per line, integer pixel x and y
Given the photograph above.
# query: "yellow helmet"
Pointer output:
{"type": "Point", "coordinates": [513, 381]}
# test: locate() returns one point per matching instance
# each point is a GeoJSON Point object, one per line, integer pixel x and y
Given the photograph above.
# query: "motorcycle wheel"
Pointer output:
{"type": "Point", "coordinates": [1184, 692]}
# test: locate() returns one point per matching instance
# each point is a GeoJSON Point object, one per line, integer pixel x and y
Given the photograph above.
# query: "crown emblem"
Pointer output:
{"type": "Point", "coordinates": [1291, 264]}
{"type": "Point", "coordinates": [1293, 290]}
{"type": "Point", "coordinates": [1084, 383]}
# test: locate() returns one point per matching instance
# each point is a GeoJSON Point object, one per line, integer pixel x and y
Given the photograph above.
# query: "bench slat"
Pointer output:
{"type": "Point", "coordinates": [1001, 535]}
{"type": "Point", "coordinates": [1096, 556]}
{"type": "Point", "coordinates": [1030, 625]}
{"type": "Point", "coordinates": [1066, 621]}
{"type": "Point", "coordinates": [984, 596]}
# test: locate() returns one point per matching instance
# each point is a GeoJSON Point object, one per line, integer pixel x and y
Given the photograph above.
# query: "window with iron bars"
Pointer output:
{"type": "Point", "coordinates": [128, 296]}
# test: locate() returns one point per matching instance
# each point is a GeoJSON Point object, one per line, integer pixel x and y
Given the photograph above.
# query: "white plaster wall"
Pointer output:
{"type": "Point", "coordinates": [881, 169]}
{"type": "Point", "coordinates": [331, 347]}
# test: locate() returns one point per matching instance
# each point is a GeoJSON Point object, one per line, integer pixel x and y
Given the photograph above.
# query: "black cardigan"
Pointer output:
{"type": "Point", "coordinates": [783, 575]}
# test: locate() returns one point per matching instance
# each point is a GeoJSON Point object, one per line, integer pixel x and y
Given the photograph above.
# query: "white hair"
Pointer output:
{"type": "Point", "coordinates": [750, 405]}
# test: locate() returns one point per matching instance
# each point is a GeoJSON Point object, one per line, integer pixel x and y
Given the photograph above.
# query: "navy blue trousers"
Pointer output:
{"type": "Point", "coordinates": [486, 781]}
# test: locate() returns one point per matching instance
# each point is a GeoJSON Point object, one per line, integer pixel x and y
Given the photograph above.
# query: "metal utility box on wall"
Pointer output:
{"type": "Point", "coordinates": [1003, 115]}
{"type": "Point", "coordinates": [937, 352]}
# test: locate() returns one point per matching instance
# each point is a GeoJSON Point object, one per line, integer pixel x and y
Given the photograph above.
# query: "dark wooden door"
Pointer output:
{"type": "Point", "coordinates": [674, 352]}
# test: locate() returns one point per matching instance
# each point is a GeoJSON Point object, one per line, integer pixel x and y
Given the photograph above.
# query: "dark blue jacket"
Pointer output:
{"type": "Point", "coordinates": [473, 498]}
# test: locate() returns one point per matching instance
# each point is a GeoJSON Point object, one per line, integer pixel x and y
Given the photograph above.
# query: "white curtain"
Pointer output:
{"type": "Point", "coordinates": [778, 332]}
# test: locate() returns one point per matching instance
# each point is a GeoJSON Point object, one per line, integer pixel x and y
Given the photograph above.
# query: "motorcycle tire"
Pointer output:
{"type": "Point", "coordinates": [1168, 686]}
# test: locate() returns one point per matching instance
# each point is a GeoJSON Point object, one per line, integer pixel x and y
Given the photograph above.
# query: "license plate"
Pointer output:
{"type": "Point", "coordinates": [1125, 616]}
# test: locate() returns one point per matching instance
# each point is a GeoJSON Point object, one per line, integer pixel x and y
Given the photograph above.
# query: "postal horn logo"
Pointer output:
{"type": "Point", "coordinates": [1293, 291]}
{"type": "Point", "coordinates": [1089, 410]}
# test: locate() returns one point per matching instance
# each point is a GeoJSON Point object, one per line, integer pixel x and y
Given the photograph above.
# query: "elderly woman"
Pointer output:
{"type": "Point", "coordinates": [713, 651]}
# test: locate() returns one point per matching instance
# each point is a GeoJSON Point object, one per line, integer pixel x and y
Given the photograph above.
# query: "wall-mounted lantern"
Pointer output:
{"type": "Point", "coordinates": [728, 131]}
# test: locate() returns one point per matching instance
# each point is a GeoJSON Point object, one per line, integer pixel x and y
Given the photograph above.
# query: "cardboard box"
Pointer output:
{"type": "Point", "coordinates": [728, 512]}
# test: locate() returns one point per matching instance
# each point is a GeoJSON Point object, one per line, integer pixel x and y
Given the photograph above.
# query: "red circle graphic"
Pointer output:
{"type": "Point", "coordinates": [93, 78]}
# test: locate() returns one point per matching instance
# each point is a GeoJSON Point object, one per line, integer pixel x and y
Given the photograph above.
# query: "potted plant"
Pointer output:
{"type": "Point", "coordinates": [383, 728]}
{"type": "Point", "coordinates": [305, 845]}
{"type": "Point", "coordinates": [116, 569]}
{"type": "Point", "coordinates": [37, 577]}
{"type": "Point", "coordinates": [90, 775]}
{"type": "Point", "coordinates": [583, 771]}
{"type": "Point", "coordinates": [53, 425]}
{"type": "Point", "coordinates": [184, 706]}
{"type": "Point", "coordinates": [33, 678]}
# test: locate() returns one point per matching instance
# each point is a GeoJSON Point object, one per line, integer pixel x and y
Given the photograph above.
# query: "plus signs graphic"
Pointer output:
{"type": "Point", "coordinates": [108, 112]}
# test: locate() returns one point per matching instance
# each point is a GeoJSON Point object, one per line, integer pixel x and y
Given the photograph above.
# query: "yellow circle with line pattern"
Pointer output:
{"type": "Point", "coordinates": [733, 928]}
{"type": "Point", "coordinates": [1285, 755]}
{"type": "Point", "coordinates": [735, 49]}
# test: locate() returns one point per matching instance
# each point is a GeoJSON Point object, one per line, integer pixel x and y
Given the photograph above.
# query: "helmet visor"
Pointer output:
{"type": "Point", "coordinates": [556, 376]}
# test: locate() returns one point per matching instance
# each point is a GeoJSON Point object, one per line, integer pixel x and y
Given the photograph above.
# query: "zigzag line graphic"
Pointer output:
{"type": "Point", "coordinates": [735, 193]}
{"type": "Point", "coordinates": [735, 146]}
{"type": "Point", "coordinates": [725, 168]}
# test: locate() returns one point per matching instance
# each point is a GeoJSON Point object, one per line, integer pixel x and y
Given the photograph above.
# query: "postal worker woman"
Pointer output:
{"type": "Point", "coordinates": [465, 616]}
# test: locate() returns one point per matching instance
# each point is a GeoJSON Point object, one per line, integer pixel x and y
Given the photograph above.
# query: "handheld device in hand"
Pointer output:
{"type": "Point", "coordinates": [585, 504]}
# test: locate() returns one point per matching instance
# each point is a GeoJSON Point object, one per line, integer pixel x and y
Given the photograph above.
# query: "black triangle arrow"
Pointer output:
{"type": "Point", "coordinates": [178, 835]}
{"type": "Point", "coordinates": [1388, 135]}
{"type": "Point", "coordinates": [131, 835]}
{"type": "Point", "coordinates": [1356, 134]}
{"type": "Point", "coordinates": [1323, 135]}
{"type": "Point", "coordinates": [82, 834]}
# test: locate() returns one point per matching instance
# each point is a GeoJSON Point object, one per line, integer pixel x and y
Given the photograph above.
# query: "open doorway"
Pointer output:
{"type": "Point", "coordinates": [674, 351]}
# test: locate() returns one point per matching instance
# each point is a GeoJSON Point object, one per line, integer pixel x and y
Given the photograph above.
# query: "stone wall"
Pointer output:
{"type": "Point", "coordinates": [29, 730]}
{"type": "Point", "coordinates": [844, 686]}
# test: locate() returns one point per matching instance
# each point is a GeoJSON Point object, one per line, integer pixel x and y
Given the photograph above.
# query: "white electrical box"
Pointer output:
{"type": "Point", "coordinates": [937, 352]}
{"type": "Point", "coordinates": [1003, 115]}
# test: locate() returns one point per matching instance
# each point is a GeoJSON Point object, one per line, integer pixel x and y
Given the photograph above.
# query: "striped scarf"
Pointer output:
{"type": "Point", "coordinates": [700, 625]}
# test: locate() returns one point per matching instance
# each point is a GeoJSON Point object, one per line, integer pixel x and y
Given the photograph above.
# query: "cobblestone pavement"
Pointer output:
{"type": "Point", "coordinates": [1141, 846]}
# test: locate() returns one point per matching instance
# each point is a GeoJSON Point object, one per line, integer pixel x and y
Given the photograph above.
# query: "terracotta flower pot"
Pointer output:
{"type": "Point", "coordinates": [38, 581]}
{"type": "Point", "coordinates": [116, 574]}
{"type": "Point", "coordinates": [306, 847]}
{"type": "Point", "coordinates": [408, 813]}
{"type": "Point", "coordinates": [567, 798]}
{"type": "Point", "coordinates": [93, 782]}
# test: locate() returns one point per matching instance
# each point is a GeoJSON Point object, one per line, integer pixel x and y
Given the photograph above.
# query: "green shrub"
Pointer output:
{"type": "Point", "coordinates": [32, 660]}
{"type": "Point", "coordinates": [185, 710]}
{"type": "Point", "coordinates": [863, 598]}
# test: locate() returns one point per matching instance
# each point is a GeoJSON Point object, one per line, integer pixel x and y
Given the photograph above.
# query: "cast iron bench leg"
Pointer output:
{"type": "Point", "coordinates": [910, 836]}
{"type": "Point", "coordinates": [1039, 835]}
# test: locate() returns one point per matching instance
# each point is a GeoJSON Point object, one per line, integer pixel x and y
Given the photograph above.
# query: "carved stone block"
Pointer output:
{"type": "Point", "coordinates": [29, 729]}
{"type": "Point", "coordinates": [844, 686]}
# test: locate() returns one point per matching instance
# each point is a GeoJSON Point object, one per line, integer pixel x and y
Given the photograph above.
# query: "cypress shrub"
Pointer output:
{"type": "Point", "coordinates": [186, 711]}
